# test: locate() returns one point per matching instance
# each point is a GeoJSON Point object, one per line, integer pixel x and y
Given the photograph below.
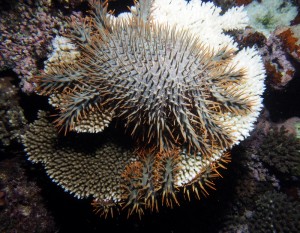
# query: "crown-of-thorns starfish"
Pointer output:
{"type": "Point", "coordinates": [180, 87]}
{"type": "Point", "coordinates": [168, 86]}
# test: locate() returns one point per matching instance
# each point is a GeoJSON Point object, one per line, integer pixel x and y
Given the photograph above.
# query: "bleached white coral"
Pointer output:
{"type": "Point", "coordinates": [201, 18]}
{"type": "Point", "coordinates": [269, 14]}
{"type": "Point", "coordinates": [64, 51]}
{"type": "Point", "coordinates": [204, 20]}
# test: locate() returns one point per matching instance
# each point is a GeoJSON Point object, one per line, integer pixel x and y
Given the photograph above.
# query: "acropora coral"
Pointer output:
{"type": "Point", "coordinates": [182, 90]}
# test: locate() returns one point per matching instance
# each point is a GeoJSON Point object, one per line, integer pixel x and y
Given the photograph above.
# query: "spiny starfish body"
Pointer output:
{"type": "Point", "coordinates": [180, 87]}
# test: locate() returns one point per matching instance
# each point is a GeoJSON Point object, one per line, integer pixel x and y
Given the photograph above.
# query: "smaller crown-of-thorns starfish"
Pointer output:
{"type": "Point", "coordinates": [117, 176]}
{"type": "Point", "coordinates": [179, 86]}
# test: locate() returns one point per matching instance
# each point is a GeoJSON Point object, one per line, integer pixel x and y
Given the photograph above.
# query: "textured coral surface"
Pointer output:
{"type": "Point", "coordinates": [255, 194]}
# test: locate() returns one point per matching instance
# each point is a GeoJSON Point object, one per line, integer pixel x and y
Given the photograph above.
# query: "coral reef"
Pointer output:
{"type": "Point", "coordinates": [26, 32]}
{"type": "Point", "coordinates": [269, 211]}
{"type": "Point", "coordinates": [279, 52]}
{"type": "Point", "coordinates": [259, 191]}
{"type": "Point", "coordinates": [263, 196]}
{"type": "Point", "coordinates": [277, 41]}
{"type": "Point", "coordinates": [279, 68]}
{"type": "Point", "coordinates": [289, 37]}
{"type": "Point", "coordinates": [12, 119]}
{"type": "Point", "coordinates": [185, 93]}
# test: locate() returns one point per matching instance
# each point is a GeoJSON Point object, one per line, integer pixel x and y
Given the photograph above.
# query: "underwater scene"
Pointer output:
{"type": "Point", "coordinates": [166, 116]}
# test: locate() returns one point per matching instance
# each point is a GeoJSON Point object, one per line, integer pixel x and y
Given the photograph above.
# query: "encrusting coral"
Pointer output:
{"type": "Point", "coordinates": [181, 88]}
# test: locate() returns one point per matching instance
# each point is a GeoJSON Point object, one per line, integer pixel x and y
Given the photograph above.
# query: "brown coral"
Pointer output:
{"type": "Point", "coordinates": [78, 166]}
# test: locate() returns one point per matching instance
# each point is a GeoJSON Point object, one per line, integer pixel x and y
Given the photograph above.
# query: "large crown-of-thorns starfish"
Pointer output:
{"type": "Point", "coordinates": [180, 87]}
{"type": "Point", "coordinates": [167, 86]}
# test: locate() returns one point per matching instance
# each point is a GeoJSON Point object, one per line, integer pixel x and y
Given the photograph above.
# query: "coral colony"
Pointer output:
{"type": "Point", "coordinates": [25, 41]}
{"type": "Point", "coordinates": [178, 86]}
{"type": "Point", "coordinates": [269, 14]}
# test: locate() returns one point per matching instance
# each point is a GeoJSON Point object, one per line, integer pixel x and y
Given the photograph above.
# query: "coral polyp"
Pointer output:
{"type": "Point", "coordinates": [182, 90]}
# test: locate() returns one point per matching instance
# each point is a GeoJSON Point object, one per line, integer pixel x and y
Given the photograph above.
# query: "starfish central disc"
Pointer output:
{"type": "Point", "coordinates": [168, 87]}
